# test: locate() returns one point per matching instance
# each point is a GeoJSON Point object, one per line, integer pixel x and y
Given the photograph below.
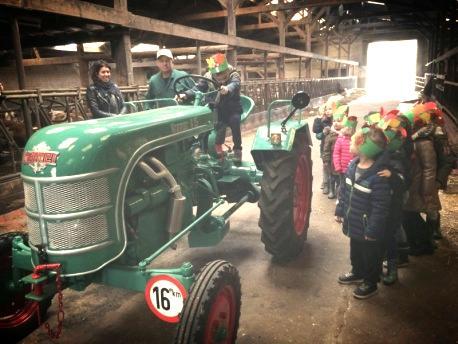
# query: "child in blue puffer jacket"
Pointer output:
{"type": "Point", "coordinates": [362, 208]}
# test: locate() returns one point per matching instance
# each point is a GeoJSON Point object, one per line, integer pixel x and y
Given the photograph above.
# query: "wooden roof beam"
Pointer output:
{"type": "Point", "coordinates": [263, 8]}
{"type": "Point", "coordinates": [85, 10]}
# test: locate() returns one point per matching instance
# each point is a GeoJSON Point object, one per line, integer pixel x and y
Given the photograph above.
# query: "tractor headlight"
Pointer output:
{"type": "Point", "coordinates": [275, 139]}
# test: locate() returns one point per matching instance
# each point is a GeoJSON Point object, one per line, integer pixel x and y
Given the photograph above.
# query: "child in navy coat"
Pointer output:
{"type": "Point", "coordinates": [362, 208]}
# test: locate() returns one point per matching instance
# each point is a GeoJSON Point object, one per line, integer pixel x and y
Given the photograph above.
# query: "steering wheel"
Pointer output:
{"type": "Point", "coordinates": [201, 87]}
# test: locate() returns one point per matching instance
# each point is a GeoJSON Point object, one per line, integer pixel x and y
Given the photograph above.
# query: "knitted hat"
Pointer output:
{"type": "Point", "coordinates": [217, 63]}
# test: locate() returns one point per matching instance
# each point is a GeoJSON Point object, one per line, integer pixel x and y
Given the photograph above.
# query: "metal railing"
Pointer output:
{"type": "Point", "coordinates": [263, 92]}
{"type": "Point", "coordinates": [441, 84]}
{"type": "Point", "coordinates": [50, 106]}
{"type": "Point", "coordinates": [419, 83]}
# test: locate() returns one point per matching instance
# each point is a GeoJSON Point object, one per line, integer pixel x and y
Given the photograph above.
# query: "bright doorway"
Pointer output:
{"type": "Point", "coordinates": [391, 69]}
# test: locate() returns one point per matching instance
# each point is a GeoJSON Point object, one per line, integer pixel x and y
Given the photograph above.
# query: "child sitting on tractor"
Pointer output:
{"type": "Point", "coordinates": [227, 103]}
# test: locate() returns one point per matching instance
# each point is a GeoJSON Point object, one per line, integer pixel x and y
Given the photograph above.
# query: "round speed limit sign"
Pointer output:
{"type": "Point", "coordinates": [165, 297]}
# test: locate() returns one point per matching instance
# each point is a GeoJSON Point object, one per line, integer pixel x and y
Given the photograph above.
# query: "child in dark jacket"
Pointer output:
{"type": "Point", "coordinates": [363, 206]}
{"type": "Point", "coordinates": [397, 161]}
{"type": "Point", "coordinates": [320, 128]}
{"type": "Point", "coordinates": [331, 135]}
{"type": "Point", "coordinates": [227, 103]}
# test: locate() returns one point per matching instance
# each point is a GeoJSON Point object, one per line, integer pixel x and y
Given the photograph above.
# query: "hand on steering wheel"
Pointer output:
{"type": "Point", "coordinates": [191, 85]}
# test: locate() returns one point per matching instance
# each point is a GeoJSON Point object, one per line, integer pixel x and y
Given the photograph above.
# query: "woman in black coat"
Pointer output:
{"type": "Point", "coordinates": [104, 97]}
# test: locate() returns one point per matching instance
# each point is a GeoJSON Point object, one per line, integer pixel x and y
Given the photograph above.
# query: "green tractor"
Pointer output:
{"type": "Point", "coordinates": [104, 198]}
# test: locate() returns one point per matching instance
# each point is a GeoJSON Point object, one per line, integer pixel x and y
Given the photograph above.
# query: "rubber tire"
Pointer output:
{"type": "Point", "coordinates": [276, 204]}
{"type": "Point", "coordinates": [14, 334]}
{"type": "Point", "coordinates": [212, 278]}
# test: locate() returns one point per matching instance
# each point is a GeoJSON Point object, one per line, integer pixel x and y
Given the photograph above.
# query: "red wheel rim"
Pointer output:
{"type": "Point", "coordinates": [221, 320]}
{"type": "Point", "coordinates": [302, 189]}
{"type": "Point", "coordinates": [18, 312]}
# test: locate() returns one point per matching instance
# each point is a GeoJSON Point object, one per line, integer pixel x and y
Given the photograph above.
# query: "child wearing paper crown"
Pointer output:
{"type": "Point", "coordinates": [341, 156]}
{"type": "Point", "coordinates": [330, 139]}
{"type": "Point", "coordinates": [430, 168]}
{"type": "Point", "coordinates": [320, 128]}
{"type": "Point", "coordinates": [362, 208]}
{"type": "Point", "coordinates": [397, 159]}
{"type": "Point", "coordinates": [227, 104]}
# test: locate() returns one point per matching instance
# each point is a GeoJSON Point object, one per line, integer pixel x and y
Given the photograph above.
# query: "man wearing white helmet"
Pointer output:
{"type": "Point", "coordinates": [160, 85]}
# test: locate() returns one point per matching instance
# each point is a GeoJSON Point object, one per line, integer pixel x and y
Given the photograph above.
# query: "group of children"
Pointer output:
{"type": "Point", "coordinates": [386, 176]}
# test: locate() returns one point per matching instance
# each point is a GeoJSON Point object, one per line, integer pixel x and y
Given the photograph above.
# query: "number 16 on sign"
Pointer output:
{"type": "Point", "coordinates": [165, 297]}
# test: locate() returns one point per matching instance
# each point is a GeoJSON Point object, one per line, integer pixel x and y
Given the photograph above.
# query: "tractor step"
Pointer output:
{"type": "Point", "coordinates": [229, 179]}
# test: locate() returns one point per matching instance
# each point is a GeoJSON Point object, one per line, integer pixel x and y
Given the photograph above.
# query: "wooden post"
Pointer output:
{"type": "Point", "coordinates": [120, 5]}
{"type": "Point", "coordinates": [348, 55]}
{"type": "Point", "coordinates": [18, 54]}
{"type": "Point", "coordinates": [338, 54]}
{"type": "Point", "coordinates": [244, 73]}
{"type": "Point", "coordinates": [232, 29]}
{"type": "Point", "coordinates": [326, 52]}
{"type": "Point", "coordinates": [282, 42]}
{"type": "Point", "coordinates": [21, 75]}
{"type": "Point", "coordinates": [300, 67]}
{"type": "Point", "coordinates": [123, 58]}
{"type": "Point", "coordinates": [265, 65]}
{"type": "Point", "coordinates": [83, 66]}
{"type": "Point", "coordinates": [198, 59]}
{"type": "Point", "coordinates": [308, 47]}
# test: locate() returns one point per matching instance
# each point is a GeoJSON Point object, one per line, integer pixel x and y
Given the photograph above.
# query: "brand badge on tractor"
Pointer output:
{"type": "Point", "coordinates": [39, 157]}
{"type": "Point", "coordinates": [165, 297]}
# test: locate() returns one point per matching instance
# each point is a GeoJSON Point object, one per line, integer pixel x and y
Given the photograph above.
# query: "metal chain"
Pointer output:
{"type": "Point", "coordinates": [53, 334]}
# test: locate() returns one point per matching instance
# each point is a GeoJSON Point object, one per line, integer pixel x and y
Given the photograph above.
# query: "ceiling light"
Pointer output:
{"type": "Point", "coordinates": [376, 3]}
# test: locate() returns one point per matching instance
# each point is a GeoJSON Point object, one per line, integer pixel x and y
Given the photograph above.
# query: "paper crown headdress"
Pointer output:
{"type": "Point", "coordinates": [425, 113]}
{"type": "Point", "coordinates": [366, 145]}
{"type": "Point", "coordinates": [394, 129]}
{"type": "Point", "coordinates": [217, 63]}
{"type": "Point", "coordinates": [339, 111]}
{"type": "Point", "coordinates": [350, 122]}
{"type": "Point", "coordinates": [372, 118]}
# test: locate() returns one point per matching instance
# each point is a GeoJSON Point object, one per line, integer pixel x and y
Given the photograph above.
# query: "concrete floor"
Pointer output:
{"type": "Point", "coordinates": [300, 302]}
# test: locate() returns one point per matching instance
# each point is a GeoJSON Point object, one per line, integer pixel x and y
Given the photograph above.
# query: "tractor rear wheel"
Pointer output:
{"type": "Point", "coordinates": [212, 310]}
{"type": "Point", "coordinates": [285, 202]}
{"type": "Point", "coordinates": [18, 316]}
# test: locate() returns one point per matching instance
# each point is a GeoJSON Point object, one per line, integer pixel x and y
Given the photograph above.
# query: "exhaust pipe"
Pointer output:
{"type": "Point", "coordinates": [177, 203]}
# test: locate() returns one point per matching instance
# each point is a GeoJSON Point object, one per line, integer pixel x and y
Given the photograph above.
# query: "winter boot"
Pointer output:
{"type": "Point", "coordinates": [237, 155]}
{"type": "Point", "coordinates": [332, 190]}
{"type": "Point", "coordinates": [436, 227]}
{"type": "Point", "coordinates": [403, 255]}
{"type": "Point", "coordinates": [392, 272]}
{"type": "Point", "coordinates": [325, 188]}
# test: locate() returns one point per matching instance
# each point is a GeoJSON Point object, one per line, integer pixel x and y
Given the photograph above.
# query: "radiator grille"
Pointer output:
{"type": "Point", "coordinates": [77, 233]}
{"type": "Point", "coordinates": [34, 231]}
{"type": "Point", "coordinates": [78, 196]}
{"type": "Point", "coordinates": [30, 198]}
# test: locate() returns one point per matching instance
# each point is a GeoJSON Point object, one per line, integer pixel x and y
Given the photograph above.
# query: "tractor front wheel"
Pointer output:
{"type": "Point", "coordinates": [18, 316]}
{"type": "Point", "coordinates": [212, 310]}
{"type": "Point", "coordinates": [285, 202]}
